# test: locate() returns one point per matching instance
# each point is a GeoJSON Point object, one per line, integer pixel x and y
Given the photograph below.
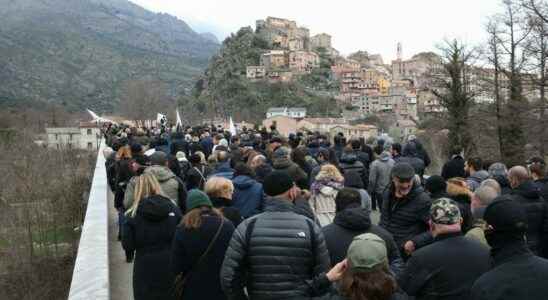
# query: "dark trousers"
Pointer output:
{"type": "Point", "coordinates": [376, 200]}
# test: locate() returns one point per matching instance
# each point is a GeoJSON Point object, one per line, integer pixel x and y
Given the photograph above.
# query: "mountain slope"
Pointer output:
{"type": "Point", "coordinates": [80, 52]}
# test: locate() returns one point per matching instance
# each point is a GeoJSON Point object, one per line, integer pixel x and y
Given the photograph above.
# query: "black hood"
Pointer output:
{"type": "Point", "coordinates": [155, 208]}
{"type": "Point", "coordinates": [355, 218]}
{"type": "Point", "coordinates": [461, 198]}
{"type": "Point", "coordinates": [353, 179]}
{"type": "Point", "coordinates": [528, 190]}
{"type": "Point", "coordinates": [502, 180]}
{"type": "Point", "coordinates": [220, 202]}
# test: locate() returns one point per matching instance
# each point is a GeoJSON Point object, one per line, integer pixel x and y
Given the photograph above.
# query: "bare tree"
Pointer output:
{"type": "Point", "coordinates": [452, 88]}
{"type": "Point", "coordinates": [493, 57]}
{"type": "Point", "coordinates": [142, 99]}
{"type": "Point", "coordinates": [511, 37]}
{"type": "Point", "coordinates": [537, 51]}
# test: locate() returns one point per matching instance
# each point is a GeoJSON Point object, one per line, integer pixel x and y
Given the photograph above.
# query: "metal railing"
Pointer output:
{"type": "Point", "coordinates": [90, 279]}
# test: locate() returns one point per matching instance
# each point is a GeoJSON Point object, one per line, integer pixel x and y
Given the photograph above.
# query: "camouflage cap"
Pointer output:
{"type": "Point", "coordinates": [445, 211]}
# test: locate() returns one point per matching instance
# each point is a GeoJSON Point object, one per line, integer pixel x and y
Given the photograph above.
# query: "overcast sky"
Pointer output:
{"type": "Point", "coordinates": [372, 25]}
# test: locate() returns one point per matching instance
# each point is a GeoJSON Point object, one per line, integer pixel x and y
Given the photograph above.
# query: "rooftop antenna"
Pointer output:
{"type": "Point", "coordinates": [399, 51]}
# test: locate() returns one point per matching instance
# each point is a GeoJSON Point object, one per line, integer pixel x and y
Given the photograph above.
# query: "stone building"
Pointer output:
{"type": "Point", "coordinates": [283, 33]}
{"type": "Point", "coordinates": [356, 131]}
{"type": "Point", "coordinates": [274, 59]}
{"type": "Point", "coordinates": [291, 112]}
{"type": "Point", "coordinates": [303, 61]}
{"type": "Point", "coordinates": [322, 125]}
{"type": "Point", "coordinates": [322, 40]}
{"type": "Point", "coordinates": [87, 136]}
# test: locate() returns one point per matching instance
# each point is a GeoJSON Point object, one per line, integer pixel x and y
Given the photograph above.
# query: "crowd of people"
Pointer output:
{"type": "Point", "coordinates": [205, 214]}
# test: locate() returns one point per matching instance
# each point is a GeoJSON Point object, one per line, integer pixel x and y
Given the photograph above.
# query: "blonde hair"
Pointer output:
{"type": "Point", "coordinates": [202, 157]}
{"type": "Point", "coordinates": [193, 218]}
{"type": "Point", "coordinates": [218, 186]}
{"type": "Point", "coordinates": [123, 152]}
{"type": "Point", "coordinates": [146, 185]}
{"type": "Point", "coordinates": [329, 171]}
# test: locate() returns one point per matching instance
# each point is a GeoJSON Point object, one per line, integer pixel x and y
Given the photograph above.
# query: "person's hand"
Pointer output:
{"type": "Point", "coordinates": [305, 194]}
{"type": "Point", "coordinates": [337, 271]}
{"type": "Point", "coordinates": [409, 247]}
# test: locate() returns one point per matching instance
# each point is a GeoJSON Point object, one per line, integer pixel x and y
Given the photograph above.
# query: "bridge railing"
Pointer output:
{"type": "Point", "coordinates": [90, 279]}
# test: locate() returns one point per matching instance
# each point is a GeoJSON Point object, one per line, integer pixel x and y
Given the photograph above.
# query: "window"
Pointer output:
{"type": "Point", "coordinates": [56, 136]}
{"type": "Point", "coordinates": [70, 137]}
{"type": "Point", "coordinates": [90, 146]}
{"type": "Point", "coordinates": [69, 146]}
{"type": "Point", "coordinates": [89, 131]}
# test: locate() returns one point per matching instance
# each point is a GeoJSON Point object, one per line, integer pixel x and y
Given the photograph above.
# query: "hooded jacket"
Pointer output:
{"type": "Point", "coordinates": [446, 269]}
{"type": "Point", "coordinates": [528, 195]}
{"type": "Point", "coordinates": [453, 168]}
{"type": "Point", "coordinates": [379, 174]}
{"type": "Point", "coordinates": [296, 173]}
{"type": "Point", "coordinates": [517, 274]}
{"type": "Point", "coordinates": [349, 162]}
{"type": "Point", "coordinates": [280, 251]}
{"type": "Point", "coordinates": [476, 178]}
{"type": "Point", "coordinates": [322, 201]}
{"type": "Point", "coordinates": [463, 198]}
{"type": "Point", "coordinates": [223, 170]}
{"type": "Point", "coordinates": [350, 223]}
{"type": "Point", "coordinates": [203, 280]}
{"type": "Point", "coordinates": [542, 185]}
{"type": "Point", "coordinates": [169, 183]}
{"type": "Point", "coordinates": [150, 233]}
{"type": "Point", "coordinates": [248, 196]}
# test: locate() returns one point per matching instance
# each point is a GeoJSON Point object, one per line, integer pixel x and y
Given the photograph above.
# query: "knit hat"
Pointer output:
{"type": "Point", "coordinates": [282, 152]}
{"type": "Point", "coordinates": [445, 211]}
{"type": "Point", "coordinates": [506, 215]}
{"type": "Point", "coordinates": [277, 183]}
{"type": "Point", "coordinates": [498, 169]}
{"type": "Point", "coordinates": [197, 198]}
{"type": "Point", "coordinates": [136, 148]}
{"type": "Point", "coordinates": [435, 184]}
{"type": "Point", "coordinates": [366, 252]}
{"type": "Point", "coordinates": [158, 158]}
{"type": "Point", "coordinates": [180, 156]}
{"type": "Point", "coordinates": [403, 171]}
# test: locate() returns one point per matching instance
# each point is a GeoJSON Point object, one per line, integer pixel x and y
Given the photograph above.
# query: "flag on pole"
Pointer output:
{"type": "Point", "coordinates": [98, 119]}
{"type": "Point", "coordinates": [179, 122]}
{"type": "Point", "coordinates": [232, 128]}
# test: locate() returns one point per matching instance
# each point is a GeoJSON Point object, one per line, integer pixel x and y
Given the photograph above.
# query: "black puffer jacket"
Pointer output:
{"type": "Point", "coordinates": [350, 223]}
{"type": "Point", "coordinates": [536, 208]}
{"type": "Point", "coordinates": [406, 219]}
{"type": "Point", "coordinates": [282, 252]}
{"type": "Point", "coordinates": [349, 162]}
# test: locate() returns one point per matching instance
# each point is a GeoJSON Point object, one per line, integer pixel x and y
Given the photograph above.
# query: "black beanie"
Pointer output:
{"type": "Point", "coordinates": [277, 183]}
{"type": "Point", "coordinates": [506, 215]}
{"type": "Point", "coordinates": [435, 184]}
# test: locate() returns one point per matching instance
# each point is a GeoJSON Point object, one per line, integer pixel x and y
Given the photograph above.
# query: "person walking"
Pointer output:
{"type": "Point", "coordinates": [324, 189]}
{"type": "Point", "coordinates": [447, 268]}
{"type": "Point", "coordinates": [148, 232]}
{"type": "Point", "coordinates": [199, 248]}
{"type": "Point", "coordinates": [278, 254]}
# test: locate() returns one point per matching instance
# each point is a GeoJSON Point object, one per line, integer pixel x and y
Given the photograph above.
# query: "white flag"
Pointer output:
{"type": "Point", "coordinates": [232, 128]}
{"type": "Point", "coordinates": [98, 119]}
{"type": "Point", "coordinates": [179, 122]}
